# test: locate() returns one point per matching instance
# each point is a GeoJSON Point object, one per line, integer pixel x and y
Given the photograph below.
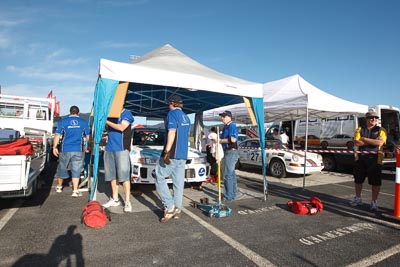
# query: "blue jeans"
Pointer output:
{"type": "Point", "coordinates": [230, 183]}
{"type": "Point", "coordinates": [176, 171]}
{"type": "Point", "coordinates": [117, 165]}
{"type": "Point", "coordinates": [76, 160]}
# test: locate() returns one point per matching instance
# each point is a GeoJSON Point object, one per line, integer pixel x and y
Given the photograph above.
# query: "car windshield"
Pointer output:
{"type": "Point", "coordinates": [152, 137]}
{"type": "Point", "coordinates": [275, 144]}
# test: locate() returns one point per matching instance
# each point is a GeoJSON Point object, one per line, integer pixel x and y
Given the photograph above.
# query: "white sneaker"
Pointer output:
{"type": "Point", "coordinates": [112, 203]}
{"type": "Point", "coordinates": [59, 189]}
{"type": "Point", "coordinates": [374, 206]}
{"type": "Point", "coordinates": [128, 207]}
{"type": "Point", "coordinates": [178, 214]}
{"type": "Point", "coordinates": [76, 194]}
{"type": "Point", "coordinates": [356, 201]}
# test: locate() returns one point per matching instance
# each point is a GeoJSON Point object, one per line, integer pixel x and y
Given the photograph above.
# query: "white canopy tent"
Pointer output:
{"type": "Point", "coordinates": [290, 99]}
{"type": "Point", "coordinates": [148, 82]}
{"type": "Point", "coordinates": [293, 98]}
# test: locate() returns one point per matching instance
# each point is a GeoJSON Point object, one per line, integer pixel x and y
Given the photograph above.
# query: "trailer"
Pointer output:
{"type": "Point", "coordinates": [26, 125]}
{"type": "Point", "coordinates": [340, 156]}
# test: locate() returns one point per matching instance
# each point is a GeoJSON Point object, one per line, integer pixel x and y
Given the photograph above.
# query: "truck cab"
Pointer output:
{"type": "Point", "coordinates": [25, 142]}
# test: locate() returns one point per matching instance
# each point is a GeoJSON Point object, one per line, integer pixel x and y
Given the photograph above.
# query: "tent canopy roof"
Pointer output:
{"type": "Point", "coordinates": [165, 71]}
{"type": "Point", "coordinates": [289, 99]}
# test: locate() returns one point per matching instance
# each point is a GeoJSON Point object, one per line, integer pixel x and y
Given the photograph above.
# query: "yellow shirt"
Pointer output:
{"type": "Point", "coordinates": [382, 133]}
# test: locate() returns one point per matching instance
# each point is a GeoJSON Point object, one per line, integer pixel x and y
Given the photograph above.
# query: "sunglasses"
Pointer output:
{"type": "Point", "coordinates": [372, 118]}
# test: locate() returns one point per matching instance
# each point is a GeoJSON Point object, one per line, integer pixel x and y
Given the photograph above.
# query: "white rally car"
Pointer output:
{"type": "Point", "coordinates": [147, 145]}
{"type": "Point", "coordinates": [280, 160]}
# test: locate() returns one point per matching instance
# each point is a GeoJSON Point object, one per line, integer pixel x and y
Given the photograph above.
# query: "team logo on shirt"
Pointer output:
{"type": "Point", "coordinates": [184, 121]}
{"type": "Point", "coordinates": [73, 124]}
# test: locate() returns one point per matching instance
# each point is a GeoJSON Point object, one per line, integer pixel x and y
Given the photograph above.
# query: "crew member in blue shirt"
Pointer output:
{"type": "Point", "coordinates": [73, 131]}
{"type": "Point", "coordinates": [117, 164]}
{"type": "Point", "coordinates": [173, 159]}
{"type": "Point", "coordinates": [228, 139]}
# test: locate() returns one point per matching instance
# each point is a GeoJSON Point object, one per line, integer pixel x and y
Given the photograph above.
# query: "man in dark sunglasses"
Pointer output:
{"type": "Point", "coordinates": [369, 141]}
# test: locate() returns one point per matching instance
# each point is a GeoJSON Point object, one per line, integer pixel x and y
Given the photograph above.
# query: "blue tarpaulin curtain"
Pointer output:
{"type": "Point", "coordinates": [258, 108]}
{"type": "Point", "coordinates": [103, 98]}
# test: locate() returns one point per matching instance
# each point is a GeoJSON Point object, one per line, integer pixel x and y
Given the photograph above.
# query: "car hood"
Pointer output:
{"type": "Point", "coordinates": [155, 152]}
{"type": "Point", "coordinates": [302, 153]}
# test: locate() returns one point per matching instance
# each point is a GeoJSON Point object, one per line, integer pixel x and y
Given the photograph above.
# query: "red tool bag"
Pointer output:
{"type": "Point", "coordinates": [94, 215]}
{"type": "Point", "coordinates": [20, 146]}
{"type": "Point", "coordinates": [312, 206]}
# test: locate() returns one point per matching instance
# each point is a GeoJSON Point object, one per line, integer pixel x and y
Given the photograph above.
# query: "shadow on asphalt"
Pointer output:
{"type": "Point", "coordinates": [66, 247]}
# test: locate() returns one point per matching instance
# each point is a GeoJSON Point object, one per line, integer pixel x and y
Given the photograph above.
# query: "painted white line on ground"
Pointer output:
{"type": "Point", "coordinates": [374, 259]}
{"type": "Point", "coordinates": [368, 218]}
{"type": "Point", "coordinates": [251, 255]}
{"type": "Point", "coordinates": [10, 213]}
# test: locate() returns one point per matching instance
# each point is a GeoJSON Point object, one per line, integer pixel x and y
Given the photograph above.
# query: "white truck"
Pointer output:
{"type": "Point", "coordinates": [389, 118]}
{"type": "Point", "coordinates": [30, 119]}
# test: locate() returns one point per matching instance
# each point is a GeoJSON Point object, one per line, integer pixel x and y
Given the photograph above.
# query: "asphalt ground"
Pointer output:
{"type": "Point", "coordinates": [46, 230]}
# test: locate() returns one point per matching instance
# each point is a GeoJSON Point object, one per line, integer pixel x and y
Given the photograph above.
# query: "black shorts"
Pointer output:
{"type": "Point", "coordinates": [368, 167]}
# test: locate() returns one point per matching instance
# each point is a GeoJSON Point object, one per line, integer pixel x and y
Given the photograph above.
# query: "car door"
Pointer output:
{"type": "Point", "coordinates": [338, 140]}
{"type": "Point", "coordinates": [243, 151]}
{"type": "Point", "coordinates": [254, 153]}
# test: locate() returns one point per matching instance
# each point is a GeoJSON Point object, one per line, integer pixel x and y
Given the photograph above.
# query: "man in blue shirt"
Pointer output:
{"type": "Point", "coordinates": [117, 162]}
{"type": "Point", "coordinates": [73, 130]}
{"type": "Point", "coordinates": [229, 137]}
{"type": "Point", "coordinates": [173, 159]}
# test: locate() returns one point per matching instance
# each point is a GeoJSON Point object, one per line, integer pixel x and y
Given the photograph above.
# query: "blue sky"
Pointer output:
{"type": "Point", "coordinates": [347, 48]}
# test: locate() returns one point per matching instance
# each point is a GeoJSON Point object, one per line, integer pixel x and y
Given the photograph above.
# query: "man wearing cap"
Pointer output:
{"type": "Point", "coordinates": [228, 139]}
{"type": "Point", "coordinates": [369, 140]}
{"type": "Point", "coordinates": [173, 159]}
{"type": "Point", "coordinates": [72, 131]}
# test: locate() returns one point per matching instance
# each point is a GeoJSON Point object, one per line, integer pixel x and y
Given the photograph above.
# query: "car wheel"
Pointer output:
{"type": "Point", "coordinates": [196, 184]}
{"type": "Point", "coordinates": [350, 145]}
{"type": "Point", "coordinates": [329, 163]}
{"type": "Point", "coordinates": [277, 169]}
{"type": "Point", "coordinates": [324, 144]}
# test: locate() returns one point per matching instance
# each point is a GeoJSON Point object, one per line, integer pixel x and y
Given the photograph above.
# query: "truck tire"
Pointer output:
{"type": "Point", "coordinates": [277, 168]}
{"type": "Point", "coordinates": [32, 189]}
{"type": "Point", "coordinates": [350, 145]}
{"type": "Point", "coordinates": [329, 163]}
{"type": "Point", "coordinates": [302, 145]}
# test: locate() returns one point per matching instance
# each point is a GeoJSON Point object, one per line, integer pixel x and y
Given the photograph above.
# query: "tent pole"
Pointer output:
{"type": "Point", "coordinates": [305, 151]}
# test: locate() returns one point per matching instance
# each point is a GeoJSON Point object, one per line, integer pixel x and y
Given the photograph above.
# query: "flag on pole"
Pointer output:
{"type": "Point", "coordinates": [50, 96]}
{"type": "Point", "coordinates": [57, 109]}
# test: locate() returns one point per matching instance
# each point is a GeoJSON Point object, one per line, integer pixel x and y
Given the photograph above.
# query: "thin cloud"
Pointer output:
{"type": "Point", "coordinates": [55, 54]}
{"type": "Point", "coordinates": [5, 42]}
{"type": "Point", "coordinates": [109, 44]}
{"type": "Point", "coordinates": [55, 57]}
{"type": "Point", "coordinates": [33, 72]}
{"type": "Point", "coordinates": [10, 23]}
{"type": "Point", "coordinates": [72, 61]}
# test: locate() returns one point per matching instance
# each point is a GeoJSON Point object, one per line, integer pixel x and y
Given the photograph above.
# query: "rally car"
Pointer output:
{"type": "Point", "coordinates": [147, 145]}
{"type": "Point", "coordinates": [280, 160]}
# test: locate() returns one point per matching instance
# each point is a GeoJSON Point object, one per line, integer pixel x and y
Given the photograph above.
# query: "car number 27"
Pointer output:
{"type": "Point", "coordinates": [254, 156]}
